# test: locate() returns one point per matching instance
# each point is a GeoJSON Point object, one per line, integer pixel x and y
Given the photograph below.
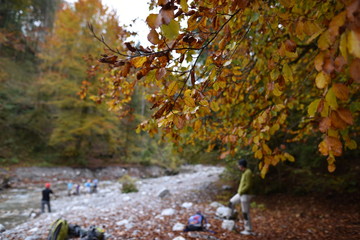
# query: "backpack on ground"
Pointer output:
{"type": "Point", "coordinates": [59, 230]}
{"type": "Point", "coordinates": [196, 223]}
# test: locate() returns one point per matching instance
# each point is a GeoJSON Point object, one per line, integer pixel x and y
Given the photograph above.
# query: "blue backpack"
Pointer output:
{"type": "Point", "coordinates": [196, 223]}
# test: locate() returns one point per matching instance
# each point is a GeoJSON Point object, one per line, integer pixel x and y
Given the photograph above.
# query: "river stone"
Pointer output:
{"type": "Point", "coordinates": [179, 238]}
{"type": "Point", "coordinates": [178, 227]}
{"type": "Point", "coordinates": [2, 228]}
{"type": "Point", "coordinates": [228, 225]}
{"type": "Point", "coordinates": [168, 212]}
{"type": "Point", "coordinates": [223, 212]}
{"type": "Point", "coordinates": [163, 193]}
{"type": "Point", "coordinates": [216, 205]}
{"type": "Point", "coordinates": [187, 205]}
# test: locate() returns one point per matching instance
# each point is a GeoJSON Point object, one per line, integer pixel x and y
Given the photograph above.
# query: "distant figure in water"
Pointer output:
{"type": "Point", "coordinates": [46, 198]}
{"type": "Point", "coordinates": [94, 185]}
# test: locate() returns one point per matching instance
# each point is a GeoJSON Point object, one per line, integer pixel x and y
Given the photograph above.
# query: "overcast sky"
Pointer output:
{"type": "Point", "coordinates": [128, 11]}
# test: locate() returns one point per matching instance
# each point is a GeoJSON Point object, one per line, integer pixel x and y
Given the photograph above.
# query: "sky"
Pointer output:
{"type": "Point", "coordinates": [128, 11]}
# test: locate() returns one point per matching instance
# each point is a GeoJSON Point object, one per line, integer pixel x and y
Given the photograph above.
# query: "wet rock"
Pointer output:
{"type": "Point", "coordinates": [216, 205]}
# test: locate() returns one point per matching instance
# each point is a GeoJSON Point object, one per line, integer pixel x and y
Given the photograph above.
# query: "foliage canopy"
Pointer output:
{"type": "Point", "coordinates": [253, 74]}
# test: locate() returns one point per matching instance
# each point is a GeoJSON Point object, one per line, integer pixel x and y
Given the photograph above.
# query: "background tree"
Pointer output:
{"type": "Point", "coordinates": [255, 75]}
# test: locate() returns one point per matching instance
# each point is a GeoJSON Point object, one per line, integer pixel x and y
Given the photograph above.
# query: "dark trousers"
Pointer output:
{"type": "Point", "coordinates": [43, 203]}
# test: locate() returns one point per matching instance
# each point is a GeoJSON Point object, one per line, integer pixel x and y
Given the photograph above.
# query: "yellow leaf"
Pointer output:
{"type": "Point", "coordinates": [184, 5]}
{"type": "Point", "coordinates": [138, 61]}
{"type": "Point", "coordinates": [197, 125]}
{"type": "Point", "coordinates": [204, 102]}
{"type": "Point", "coordinates": [331, 99]}
{"type": "Point", "coordinates": [276, 91]}
{"type": "Point", "coordinates": [319, 61]}
{"type": "Point", "coordinates": [351, 144]}
{"type": "Point", "coordinates": [173, 87]}
{"type": "Point", "coordinates": [312, 108]}
{"type": "Point", "coordinates": [323, 148]}
{"type": "Point", "coordinates": [353, 43]}
{"type": "Point", "coordinates": [187, 93]}
{"type": "Point", "coordinates": [266, 148]}
{"type": "Point", "coordinates": [256, 139]}
{"type": "Point", "coordinates": [214, 106]}
{"type": "Point", "coordinates": [324, 41]}
{"type": "Point", "coordinates": [289, 157]}
{"type": "Point", "coordinates": [258, 154]}
{"type": "Point", "coordinates": [264, 170]}
{"type": "Point", "coordinates": [189, 101]}
{"type": "Point", "coordinates": [255, 148]}
{"type": "Point", "coordinates": [274, 128]}
{"type": "Point", "coordinates": [343, 46]}
{"type": "Point", "coordinates": [322, 80]}
{"type": "Point", "coordinates": [287, 73]}
{"type": "Point", "coordinates": [331, 167]}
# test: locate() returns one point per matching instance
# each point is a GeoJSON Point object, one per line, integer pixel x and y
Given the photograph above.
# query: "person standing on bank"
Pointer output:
{"type": "Point", "coordinates": [46, 198]}
{"type": "Point", "coordinates": [244, 195]}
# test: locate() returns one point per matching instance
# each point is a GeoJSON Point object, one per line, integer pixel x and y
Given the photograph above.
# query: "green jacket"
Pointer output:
{"type": "Point", "coordinates": [245, 186]}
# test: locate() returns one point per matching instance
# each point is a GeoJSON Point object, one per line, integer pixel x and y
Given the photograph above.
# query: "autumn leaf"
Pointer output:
{"type": "Point", "coordinates": [160, 73]}
{"type": "Point", "coordinates": [341, 91]}
{"type": "Point", "coordinates": [189, 101]}
{"type": "Point", "coordinates": [312, 108]}
{"type": "Point", "coordinates": [153, 37]}
{"type": "Point", "coordinates": [153, 21]}
{"type": "Point", "coordinates": [324, 124]}
{"type": "Point", "coordinates": [138, 61]}
{"type": "Point", "coordinates": [322, 80]}
{"type": "Point", "coordinates": [171, 30]}
{"type": "Point", "coordinates": [172, 89]}
{"type": "Point", "coordinates": [353, 43]}
{"type": "Point", "coordinates": [331, 99]}
{"type": "Point", "coordinates": [355, 70]}
{"type": "Point", "coordinates": [345, 115]}
{"type": "Point", "coordinates": [179, 121]}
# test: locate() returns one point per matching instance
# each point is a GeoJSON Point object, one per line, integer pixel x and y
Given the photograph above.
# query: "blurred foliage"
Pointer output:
{"type": "Point", "coordinates": [128, 184]}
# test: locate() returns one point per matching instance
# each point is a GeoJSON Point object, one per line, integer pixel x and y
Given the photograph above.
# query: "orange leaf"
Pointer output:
{"type": "Point", "coordinates": [331, 167]}
{"type": "Point", "coordinates": [341, 91]}
{"type": "Point", "coordinates": [224, 154]}
{"type": "Point", "coordinates": [335, 145]}
{"type": "Point", "coordinates": [319, 61]}
{"type": "Point", "coordinates": [345, 115]}
{"type": "Point", "coordinates": [325, 124]}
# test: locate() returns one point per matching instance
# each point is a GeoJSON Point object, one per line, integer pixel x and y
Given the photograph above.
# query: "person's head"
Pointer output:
{"type": "Point", "coordinates": [47, 185]}
{"type": "Point", "coordinates": [242, 163]}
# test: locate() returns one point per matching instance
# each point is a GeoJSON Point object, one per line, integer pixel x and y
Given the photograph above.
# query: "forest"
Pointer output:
{"type": "Point", "coordinates": [275, 82]}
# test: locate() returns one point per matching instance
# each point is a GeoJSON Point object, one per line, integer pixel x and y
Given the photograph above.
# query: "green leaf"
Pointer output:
{"type": "Point", "coordinates": [171, 31]}
{"type": "Point", "coordinates": [313, 107]}
{"type": "Point", "coordinates": [287, 73]}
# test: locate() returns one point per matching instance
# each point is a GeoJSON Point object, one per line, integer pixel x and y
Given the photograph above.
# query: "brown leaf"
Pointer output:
{"type": "Point", "coordinates": [153, 37]}
{"type": "Point", "coordinates": [193, 77]}
{"type": "Point", "coordinates": [131, 48]}
{"type": "Point", "coordinates": [340, 62]}
{"type": "Point", "coordinates": [336, 121]}
{"type": "Point", "coordinates": [325, 124]}
{"type": "Point", "coordinates": [160, 73]}
{"type": "Point", "coordinates": [341, 91]}
{"type": "Point", "coordinates": [179, 121]}
{"type": "Point", "coordinates": [328, 66]}
{"type": "Point", "coordinates": [108, 59]}
{"type": "Point", "coordinates": [355, 70]}
{"type": "Point", "coordinates": [126, 69]}
{"type": "Point", "coordinates": [290, 45]}
{"type": "Point", "coordinates": [153, 20]}
{"type": "Point", "coordinates": [166, 16]}
{"type": "Point", "coordinates": [345, 115]}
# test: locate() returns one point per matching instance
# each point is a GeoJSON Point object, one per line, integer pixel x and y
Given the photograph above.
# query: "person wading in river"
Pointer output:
{"type": "Point", "coordinates": [46, 198]}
